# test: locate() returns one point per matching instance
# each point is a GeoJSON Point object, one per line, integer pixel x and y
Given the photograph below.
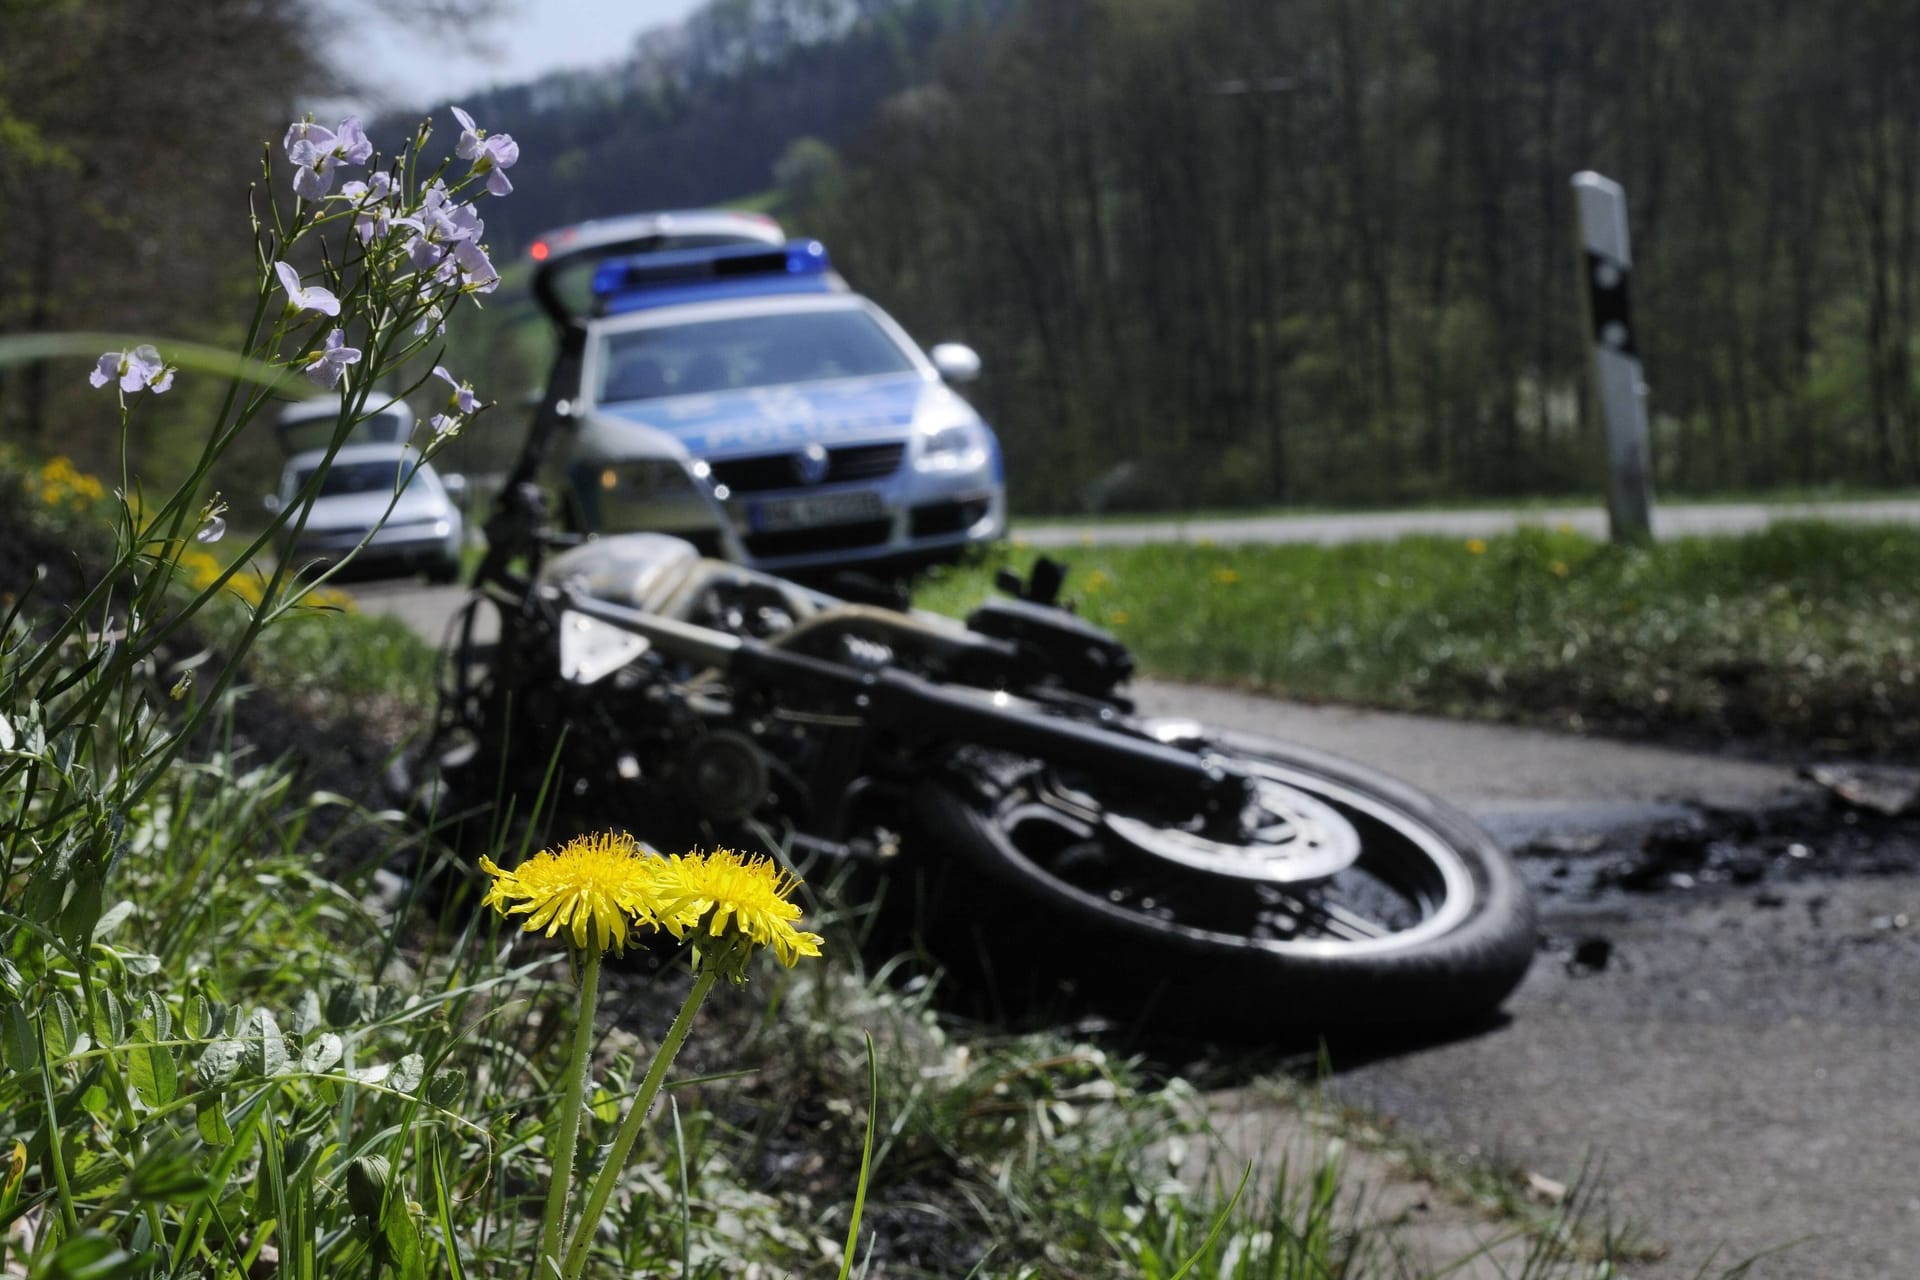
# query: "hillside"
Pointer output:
{"type": "Point", "coordinates": [703, 112]}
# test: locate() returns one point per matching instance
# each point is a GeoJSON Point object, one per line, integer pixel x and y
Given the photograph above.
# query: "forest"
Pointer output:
{"type": "Point", "coordinates": [1219, 252]}
{"type": "Point", "coordinates": [1231, 252]}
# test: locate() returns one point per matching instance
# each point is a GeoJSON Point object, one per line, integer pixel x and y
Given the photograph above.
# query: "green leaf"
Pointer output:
{"type": "Point", "coordinates": [221, 1062]}
{"type": "Point", "coordinates": [306, 1014]}
{"type": "Point", "coordinates": [322, 1053]}
{"type": "Point", "coordinates": [92, 1256]}
{"type": "Point", "coordinates": [115, 916]}
{"type": "Point", "coordinates": [158, 1017]}
{"type": "Point", "coordinates": [266, 1046]}
{"type": "Point", "coordinates": [47, 887]}
{"type": "Point", "coordinates": [20, 1041]}
{"type": "Point", "coordinates": [199, 1018]}
{"type": "Point", "coordinates": [344, 1005]}
{"type": "Point", "coordinates": [407, 1073]}
{"type": "Point", "coordinates": [171, 1176]}
{"type": "Point", "coordinates": [401, 1235]}
{"type": "Point", "coordinates": [447, 1087]}
{"type": "Point", "coordinates": [109, 1019]}
{"type": "Point", "coordinates": [82, 912]}
{"type": "Point", "coordinates": [210, 1118]}
{"type": "Point", "coordinates": [155, 1077]}
{"type": "Point", "coordinates": [64, 1036]}
{"type": "Point", "coordinates": [367, 1179]}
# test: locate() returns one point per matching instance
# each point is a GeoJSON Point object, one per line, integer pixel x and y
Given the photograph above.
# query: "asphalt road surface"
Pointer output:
{"type": "Point", "coordinates": [1741, 1061]}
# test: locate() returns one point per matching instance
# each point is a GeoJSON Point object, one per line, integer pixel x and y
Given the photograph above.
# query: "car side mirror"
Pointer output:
{"type": "Point", "coordinates": [956, 361]}
{"type": "Point", "coordinates": [456, 487]}
{"type": "Point", "coordinates": [272, 503]}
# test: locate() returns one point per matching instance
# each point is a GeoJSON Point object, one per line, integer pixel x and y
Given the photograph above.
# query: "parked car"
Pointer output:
{"type": "Point", "coordinates": [423, 531]}
{"type": "Point", "coordinates": [742, 397]}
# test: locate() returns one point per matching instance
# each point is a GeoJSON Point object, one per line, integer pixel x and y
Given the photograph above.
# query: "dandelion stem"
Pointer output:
{"type": "Point", "coordinates": [553, 1221]}
{"type": "Point", "coordinates": [623, 1141]}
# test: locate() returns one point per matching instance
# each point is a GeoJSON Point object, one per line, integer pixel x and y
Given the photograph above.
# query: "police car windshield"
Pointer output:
{"type": "Point", "coordinates": [343, 478]}
{"type": "Point", "coordinates": [746, 351]}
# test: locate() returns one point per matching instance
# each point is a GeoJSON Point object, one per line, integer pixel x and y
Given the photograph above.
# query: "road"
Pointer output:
{"type": "Point", "coordinates": [1670, 520]}
{"type": "Point", "coordinates": [1741, 1068]}
{"type": "Point", "coordinates": [1740, 1062]}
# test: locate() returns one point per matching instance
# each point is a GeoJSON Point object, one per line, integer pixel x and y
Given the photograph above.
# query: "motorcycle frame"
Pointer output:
{"type": "Point", "coordinates": [887, 700]}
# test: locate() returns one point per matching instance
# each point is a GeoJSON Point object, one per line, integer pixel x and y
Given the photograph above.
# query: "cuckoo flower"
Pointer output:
{"type": "Point", "coordinates": [474, 268]}
{"type": "Point", "coordinates": [438, 224]}
{"type": "Point", "coordinates": [137, 369]}
{"type": "Point", "coordinates": [492, 154]}
{"type": "Point", "coordinates": [327, 364]}
{"type": "Point", "coordinates": [301, 299]}
{"type": "Point", "coordinates": [372, 214]}
{"type": "Point", "coordinates": [463, 399]}
{"type": "Point", "coordinates": [316, 152]}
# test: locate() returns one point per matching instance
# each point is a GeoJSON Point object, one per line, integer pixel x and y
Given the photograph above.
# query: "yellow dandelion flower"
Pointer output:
{"type": "Point", "coordinates": [1558, 568]}
{"type": "Point", "coordinates": [1118, 617]}
{"type": "Point", "coordinates": [597, 887]}
{"type": "Point", "coordinates": [1225, 576]}
{"type": "Point", "coordinates": [1096, 580]}
{"type": "Point", "coordinates": [1475, 547]}
{"type": "Point", "coordinates": [725, 895]}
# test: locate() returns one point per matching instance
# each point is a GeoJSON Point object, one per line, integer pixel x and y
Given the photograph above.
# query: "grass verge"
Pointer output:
{"type": "Point", "coordinates": [1801, 636]}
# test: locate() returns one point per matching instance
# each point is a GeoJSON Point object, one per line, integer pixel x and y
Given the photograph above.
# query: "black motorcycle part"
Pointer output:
{"type": "Point", "coordinates": [727, 775]}
{"type": "Point", "coordinates": [1431, 925]}
{"type": "Point", "coordinates": [900, 701]}
{"type": "Point", "coordinates": [1056, 645]}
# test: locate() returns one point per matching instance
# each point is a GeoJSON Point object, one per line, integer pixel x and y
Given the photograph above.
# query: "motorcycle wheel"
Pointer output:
{"type": "Point", "coordinates": [1428, 924]}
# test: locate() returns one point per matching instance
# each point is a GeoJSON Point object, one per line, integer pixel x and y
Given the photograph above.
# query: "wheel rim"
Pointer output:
{"type": "Point", "coordinates": [1404, 886]}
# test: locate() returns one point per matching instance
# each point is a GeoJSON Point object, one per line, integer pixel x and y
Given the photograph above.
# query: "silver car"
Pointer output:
{"type": "Point", "coordinates": [743, 398]}
{"type": "Point", "coordinates": [386, 490]}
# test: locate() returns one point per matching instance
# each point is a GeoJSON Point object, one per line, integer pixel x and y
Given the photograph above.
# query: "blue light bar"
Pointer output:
{"type": "Point", "coordinates": [683, 267]}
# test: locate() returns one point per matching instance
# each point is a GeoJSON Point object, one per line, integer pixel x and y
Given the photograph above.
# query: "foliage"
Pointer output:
{"type": "Point", "coordinates": [1246, 251]}
{"type": "Point", "coordinates": [1803, 633]}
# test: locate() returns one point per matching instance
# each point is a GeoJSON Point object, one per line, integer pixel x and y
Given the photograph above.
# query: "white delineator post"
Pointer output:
{"type": "Point", "coordinates": [1606, 265]}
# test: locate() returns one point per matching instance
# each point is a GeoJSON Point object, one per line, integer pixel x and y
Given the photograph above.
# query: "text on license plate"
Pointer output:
{"type": "Point", "coordinates": [815, 509]}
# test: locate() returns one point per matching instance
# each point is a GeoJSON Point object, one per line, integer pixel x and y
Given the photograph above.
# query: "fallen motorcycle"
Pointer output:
{"type": "Point", "coordinates": [989, 776]}
{"type": "Point", "coordinates": [994, 768]}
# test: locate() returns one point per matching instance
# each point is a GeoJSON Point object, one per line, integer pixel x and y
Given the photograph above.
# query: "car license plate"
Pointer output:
{"type": "Point", "coordinates": [779, 514]}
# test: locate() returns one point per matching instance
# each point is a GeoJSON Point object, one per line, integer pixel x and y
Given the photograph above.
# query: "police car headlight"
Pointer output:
{"type": "Point", "coordinates": [952, 446]}
{"type": "Point", "coordinates": [646, 477]}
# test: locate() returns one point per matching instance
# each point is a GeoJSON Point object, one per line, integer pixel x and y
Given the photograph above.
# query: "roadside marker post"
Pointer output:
{"type": "Point", "coordinates": [1606, 266]}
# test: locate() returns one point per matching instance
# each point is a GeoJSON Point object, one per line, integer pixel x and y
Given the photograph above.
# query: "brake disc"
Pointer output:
{"type": "Point", "coordinates": [1285, 837]}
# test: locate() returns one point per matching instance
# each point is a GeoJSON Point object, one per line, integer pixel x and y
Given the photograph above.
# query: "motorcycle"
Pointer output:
{"type": "Point", "coordinates": [994, 767]}
{"type": "Point", "coordinates": [991, 774]}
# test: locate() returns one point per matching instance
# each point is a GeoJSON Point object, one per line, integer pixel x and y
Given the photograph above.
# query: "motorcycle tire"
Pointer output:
{"type": "Point", "coordinates": [1450, 935]}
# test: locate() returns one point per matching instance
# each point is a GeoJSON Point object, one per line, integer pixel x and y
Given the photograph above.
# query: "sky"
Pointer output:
{"type": "Point", "coordinates": [413, 68]}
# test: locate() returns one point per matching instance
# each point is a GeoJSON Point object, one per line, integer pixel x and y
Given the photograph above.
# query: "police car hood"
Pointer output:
{"type": "Point", "coordinates": [771, 419]}
{"type": "Point", "coordinates": [364, 510]}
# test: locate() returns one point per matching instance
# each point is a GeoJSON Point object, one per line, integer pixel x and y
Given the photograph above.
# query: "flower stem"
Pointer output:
{"type": "Point", "coordinates": [567, 1135]}
{"type": "Point", "coordinates": [623, 1141]}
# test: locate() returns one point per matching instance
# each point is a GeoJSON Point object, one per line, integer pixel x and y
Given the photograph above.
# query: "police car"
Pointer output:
{"type": "Point", "coordinates": [738, 394]}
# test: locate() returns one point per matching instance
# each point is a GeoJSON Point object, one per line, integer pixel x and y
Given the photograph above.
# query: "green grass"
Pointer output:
{"type": "Point", "coordinates": [221, 1042]}
{"type": "Point", "coordinates": [1524, 504]}
{"type": "Point", "coordinates": [1803, 635]}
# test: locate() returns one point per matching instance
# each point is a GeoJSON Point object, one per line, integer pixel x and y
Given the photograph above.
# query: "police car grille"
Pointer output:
{"type": "Point", "coordinates": [776, 471]}
{"type": "Point", "coordinates": [836, 537]}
